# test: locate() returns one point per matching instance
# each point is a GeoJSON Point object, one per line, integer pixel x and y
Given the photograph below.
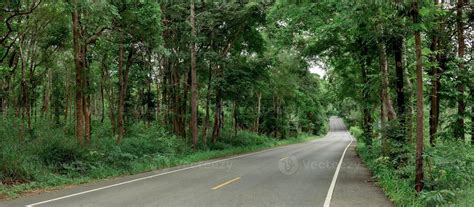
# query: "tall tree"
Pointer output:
{"type": "Point", "coordinates": [194, 90]}
{"type": "Point", "coordinates": [419, 178]}
{"type": "Point", "coordinates": [459, 130]}
{"type": "Point", "coordinates": [84, 35]}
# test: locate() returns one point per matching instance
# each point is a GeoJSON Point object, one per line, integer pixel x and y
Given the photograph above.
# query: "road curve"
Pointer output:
{"type": "Point", "coordinates": [294, 175]}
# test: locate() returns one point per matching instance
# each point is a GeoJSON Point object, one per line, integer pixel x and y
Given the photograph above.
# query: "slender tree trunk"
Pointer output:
{"type": "Point", "coordinates": [471, 88]}
{"type": "Point", "coordinates": [460, 131]}
{"type": "Point", "coordinates": [419, 179]}
{"type": "Point", "coordinates": [400, 85]}
{"type": "Point", "coordinates": [79, 64]}
{"type": "Point", "coordinates": [158, 98]}
{"type": "Point", "coordinates": [102, 94]}
{"type": "Point", "coordinates": [276, 116]}
{"type": "Point", "coordinates": [194, 91]}
{"type": "Point", "coordinates": [387, 110]}
{"type": "Point", "coordinates": [123, 82]}
{"type": "Point", "coordinates": [367, 122]}
{"type": "Point", "coordinates": [109, 91]}
{"type": "Point", "coordinates": [121, 104]}
{"type": "Point", "coordinates": [87, 118]}
{"type": "Point", "coordinates": [409, 97]}
{"type": "Point", "coordinates": [259, 106]}
{"type": "Point", "coordinates": [472, 115]}
{"type": "Point", "coordinates": [435, 85]}
{"type": "Point", "coordinates": [218, 116]}
{"type": "Point", "coordinates": [386, 99]}
{"type": "Point", "coordinates": [234, 115]}
{"type": "Point", "coordinates": [24, 97]}
{"type": "Point", "coordinates": [208, 103]}
{"type": "Point", "coordinates": [185, 107]}
{"type": "Point", "coordinates": [68, 93]}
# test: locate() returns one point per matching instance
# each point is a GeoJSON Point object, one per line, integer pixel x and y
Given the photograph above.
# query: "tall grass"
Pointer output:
{"type": "Point", "coordinates": [49, 157]}
{"type": "Point", "coordinates": [449, 173]}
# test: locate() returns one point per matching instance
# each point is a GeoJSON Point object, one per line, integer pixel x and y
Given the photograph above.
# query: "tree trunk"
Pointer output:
{"type": "Point", "coordinates": [234, 115]}
{"type": "Point", "coordinates": [194, 93]}
{"type": "Point", "coordinates": [218, 116]}
{"type": "Point", "coordinates": [367, 122]}
{"type": "Point", "coordinates": [87, 116]}
{"type": "Point", "coordinates": [102, 94]}
{"type": "Point", "coordinates": [400, 85]}
{"type": "Point", "coordinates": [208, 103]}
{"type": "Point", "coordinates": [24, 97]}
{"type": "Point", "coordinates": [386, 99]}
{"type": "Point", "coordinates": [79, 64]}
{"type": "Point", "coordinates": [459, 130]}
{"type": "Point", "coordinates": [419, 182]}
{"type": "Point", "coordinates": [123, 83]}
{"type": "Point", "coordinates": [472, 116]}
{"type": "Point", "coordinates": [121, 104]}
{"type": "Point", "coordinates": [434, 98]}
{"type": "Point", "coordinates": [410, 106]}
{"type": "Point", "coordinates": [259, 106]}
{"type": "Point", "coordinates": [109, 91]}
{"type": "Point", "coordinates": [387, 110]}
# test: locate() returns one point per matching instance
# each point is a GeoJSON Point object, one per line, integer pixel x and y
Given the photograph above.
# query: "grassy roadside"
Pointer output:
{"type": "Point", "coordinates": [53, 181]}
{"type": "Point", "coordinates": [448, 174]}
{"type": "Point", "coordinates": [400, 191]}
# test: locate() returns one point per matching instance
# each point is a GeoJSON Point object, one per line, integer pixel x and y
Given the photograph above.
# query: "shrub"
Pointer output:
{"type": "Point", "coordinates": [62, 155]}
{"type": "Point", "coordinates": [219, 146]}
{"type": "Point", "coordinates": [356, 132]}
{"type": "Point", "coordinates": [16, 165]}
{"type": "Point", "coordinates": [245, 138]}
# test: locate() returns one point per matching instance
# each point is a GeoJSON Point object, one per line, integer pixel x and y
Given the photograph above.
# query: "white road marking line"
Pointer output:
{"type": "Point", "coordinates": [327, 202]}
{"type": "Point", "coordinates": [152, 176]}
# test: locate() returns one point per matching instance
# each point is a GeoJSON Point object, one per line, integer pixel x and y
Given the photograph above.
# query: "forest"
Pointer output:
{"type": "Point", "coordinates": [96, 89]}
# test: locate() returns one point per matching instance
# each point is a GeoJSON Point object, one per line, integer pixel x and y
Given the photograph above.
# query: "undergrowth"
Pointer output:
{"type": "Point", "coordinates": [449, 173]}
{"type": "Point", "coordinates": [50, 157]}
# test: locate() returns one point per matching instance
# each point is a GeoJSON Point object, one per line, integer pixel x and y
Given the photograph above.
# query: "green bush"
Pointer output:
{"type": "Point", "coordinates": [219, 146]}
{"type": "Point", "coordinates": [449, 176]}
{"type": "Point", "coordinates": [245, 138]}
{"type": "Point", "coordinates": [450, 167]}
{"type": "Point", "coordinates": [356, 132]}
{"type": "Point", "coordinates": [50, 156]}
{"type": "Point", "coordinates": [62, 155]}
{"type": "Point", "coordinates": [17, 165]}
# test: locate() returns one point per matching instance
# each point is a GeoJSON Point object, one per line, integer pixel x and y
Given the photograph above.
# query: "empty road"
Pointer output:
{"type": "Point", "coordinates": [306, 174]}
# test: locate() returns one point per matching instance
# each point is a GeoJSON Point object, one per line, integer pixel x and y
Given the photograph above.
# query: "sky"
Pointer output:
{"type": "Point", "coordinates": [316, 67]}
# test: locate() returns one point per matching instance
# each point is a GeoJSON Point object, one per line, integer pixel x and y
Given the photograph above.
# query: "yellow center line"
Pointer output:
{"type": "Point", "coordinates": [226, 183]}
{"type": "Point", "coordinates": [283, 158]}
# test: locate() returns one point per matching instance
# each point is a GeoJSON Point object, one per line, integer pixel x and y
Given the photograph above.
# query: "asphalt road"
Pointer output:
{"type": "Point", "coordinates": [295, 175]}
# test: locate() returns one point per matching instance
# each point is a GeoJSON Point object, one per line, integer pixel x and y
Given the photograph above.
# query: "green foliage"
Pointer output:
{"type": "Point", "coordinates": [61, 155]}
{"type": "Point", "coordinates": [357, 132]}
{"type": "Point", "coordinates": [399, 190]}
{"type": "Point", "coordinates": [449, 176]}
{"type": "Point", "coordinates": [246, 138]}
{"type": "Point", "coordinates": [53, 159]}
{"type": "Point", "coordinates": [449, 172]}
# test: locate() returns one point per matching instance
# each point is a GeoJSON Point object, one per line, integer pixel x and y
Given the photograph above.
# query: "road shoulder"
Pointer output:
{"type": "Point", "coordinates": [355, 186]}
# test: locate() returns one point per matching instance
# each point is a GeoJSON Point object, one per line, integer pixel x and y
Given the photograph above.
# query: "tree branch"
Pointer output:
{"type": "Point", "coordinates": [96, 35]}
{"type": "Point", "coordinates": [17, 13]}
